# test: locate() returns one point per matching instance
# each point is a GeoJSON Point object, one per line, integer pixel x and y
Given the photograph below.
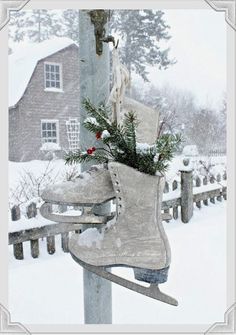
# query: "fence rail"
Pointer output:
{"type": "Point", "coordinates": [178, 196]}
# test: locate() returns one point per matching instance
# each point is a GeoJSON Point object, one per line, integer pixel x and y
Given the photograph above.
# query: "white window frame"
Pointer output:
{"type": "Point", "coordinates": [73, 136]}
{"type": "Point", "coordinates": [53, 89]}
{"type": "Point", "coordinates": [57, 130]}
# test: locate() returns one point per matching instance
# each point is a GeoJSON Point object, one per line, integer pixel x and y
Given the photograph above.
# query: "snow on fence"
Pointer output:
{"type": "Point", "coordinates": [177, 195]}
{"type": "Point", "coordinates": [217, 152]}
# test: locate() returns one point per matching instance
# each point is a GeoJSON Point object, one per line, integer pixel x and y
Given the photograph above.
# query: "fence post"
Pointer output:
{"type": "Point", "coordinates": [186, 195]}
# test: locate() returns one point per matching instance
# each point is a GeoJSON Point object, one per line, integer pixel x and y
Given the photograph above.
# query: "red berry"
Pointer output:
{"type": "Point", "coordinates": [93, 149]}
{"type": "Point", "coordinates": [89, 151]}
{"type": "Point", "coordinates": [98, 135]}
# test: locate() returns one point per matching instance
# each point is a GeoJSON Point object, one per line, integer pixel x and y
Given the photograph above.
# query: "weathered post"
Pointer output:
{"type": "Point", "coordinates": [186, 195]}
{"type": "Point", "coordinates": [94, 84]}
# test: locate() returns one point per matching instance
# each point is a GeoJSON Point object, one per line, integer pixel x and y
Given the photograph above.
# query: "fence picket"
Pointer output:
{"type": "Point", "coordinates": [198, 184]}
{"type": "Point", "coordinates": [218, 179]}
{"type": "Point", "coordinates": [174, 185]}
{"type": "Point", "coordinates": [51, 245]}
{"type": "Point", "coordinates": [15, 213]}
{"type": "Point", "coordinates": [34, 247]}
{"type": "Point", "coordinates": [205, 182]}
{"type": "Point", "coordinates": [31, 210]}
{"type": "Point", "coordinates": [175, 212]}
{"type": "Point", "coordinates": [18, 251]}
{"type": "Point", "coordinates": [166, 188]}
{"type": "Point", "coordinates": [212, 180]}
{"type": "Point", "coordinates": [65, 242]}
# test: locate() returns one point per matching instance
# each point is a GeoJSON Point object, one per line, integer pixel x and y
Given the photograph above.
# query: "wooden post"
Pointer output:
{"type": "Point", "coordinates": [186, 195]}
{"type": "Point", "coordinates": [205, 183]}
{"type": "Point", "coordinates": [198, 184]}
{"type": "Point", "coordinates": [34, 247]}
{"type": "Point", "coordinates": [18, 251]}
{"type": "Point", "coordinates": [94, 84]}
{"type": "Point", "coordinates": [51, 245]}
{"type": "Point", "coordinates": [65, 242]}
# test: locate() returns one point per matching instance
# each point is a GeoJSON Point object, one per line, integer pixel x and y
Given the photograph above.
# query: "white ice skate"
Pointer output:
{"type": "Point", "coordinates": [136, 240]}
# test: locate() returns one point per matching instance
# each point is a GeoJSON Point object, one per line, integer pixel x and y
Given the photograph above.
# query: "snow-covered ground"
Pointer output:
{"type": "Point", "coordinates": [197, 278]}
{"type": "Point", "coordinates": [38, 288]}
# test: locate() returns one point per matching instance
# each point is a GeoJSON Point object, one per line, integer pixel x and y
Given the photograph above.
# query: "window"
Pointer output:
{"type": "Point", "coordinates": [53, 76]}
{"type": "Point", "coordinates": [49, 131]}
{"type": "Point", "coordinates": [72, 127]}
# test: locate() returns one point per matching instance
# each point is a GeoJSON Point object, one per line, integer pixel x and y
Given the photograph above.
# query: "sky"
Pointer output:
{"type": "Point", "coordinates": [198, 44]}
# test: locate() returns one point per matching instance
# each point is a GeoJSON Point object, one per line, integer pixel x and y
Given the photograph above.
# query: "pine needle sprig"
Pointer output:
{"type": "Point", "coordinates": [119, 143]}
{"type": "Point", "coordinates": [80, 157]}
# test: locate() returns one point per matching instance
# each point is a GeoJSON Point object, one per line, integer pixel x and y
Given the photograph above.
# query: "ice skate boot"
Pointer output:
{"type": "Point", "coordinates": [89, 189]}
{"type": "Point", "coordinates": [137, 239]}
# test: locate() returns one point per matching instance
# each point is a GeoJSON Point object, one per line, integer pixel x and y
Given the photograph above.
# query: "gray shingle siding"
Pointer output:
{"type": "Point", "coordinates": [36, 104]}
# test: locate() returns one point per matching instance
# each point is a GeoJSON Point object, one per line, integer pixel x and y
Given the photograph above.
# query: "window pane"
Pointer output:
{"type": "Point", "coordinates": [47, 83]}
{"type": "Point", "coordinates": [57, 84]}
{"type": "Point", "coordinates": [53, 84]}
{"type": "Point", "coordinates": [52, 68]}
{"type": "Point", "coordinates": [43, 126]}
{"type": "Point", "coordinates": [47, 67]}
{"type": "Point", "coordinates": [52, 76]}
{"type": "Point", "coordinates": [57, 68]}
{"type": "Point", "coordinates": [57, 76]}
{"type": "Point", "coordinates": [54, 126]}
{"type": "Point", "coordinates": [54, 134]}
{"type": "Point", "coordinates": [49, 126]}
{"type": "Point", "coordinates": [47, 75]}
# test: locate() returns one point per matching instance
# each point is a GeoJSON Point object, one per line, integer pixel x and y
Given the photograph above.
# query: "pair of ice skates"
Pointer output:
{"type": "Point", "coordinates": [136, 239]}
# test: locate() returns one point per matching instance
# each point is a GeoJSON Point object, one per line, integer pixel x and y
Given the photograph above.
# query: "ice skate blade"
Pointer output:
{"type": "Point", "coordinates": [152, 291]}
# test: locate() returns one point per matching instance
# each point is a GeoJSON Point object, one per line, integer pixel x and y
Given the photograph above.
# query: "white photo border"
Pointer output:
{"type": "Point", "coordinates": [229, 324]}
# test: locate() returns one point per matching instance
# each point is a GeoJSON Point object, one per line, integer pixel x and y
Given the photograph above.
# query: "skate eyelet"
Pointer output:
{"type": "Point", "coordinates": [117, 183]}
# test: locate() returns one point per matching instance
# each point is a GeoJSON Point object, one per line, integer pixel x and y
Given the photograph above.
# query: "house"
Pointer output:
{"type": "Point", "coordinates": [43, 100]}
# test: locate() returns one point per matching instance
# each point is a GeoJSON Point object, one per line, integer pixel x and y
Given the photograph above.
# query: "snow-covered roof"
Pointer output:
{"type": "Point", "coordinates": [23, 61]}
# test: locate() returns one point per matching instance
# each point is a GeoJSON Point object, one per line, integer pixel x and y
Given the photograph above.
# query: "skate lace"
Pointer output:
{"type": "Point", "coordinates": [116, 184]}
